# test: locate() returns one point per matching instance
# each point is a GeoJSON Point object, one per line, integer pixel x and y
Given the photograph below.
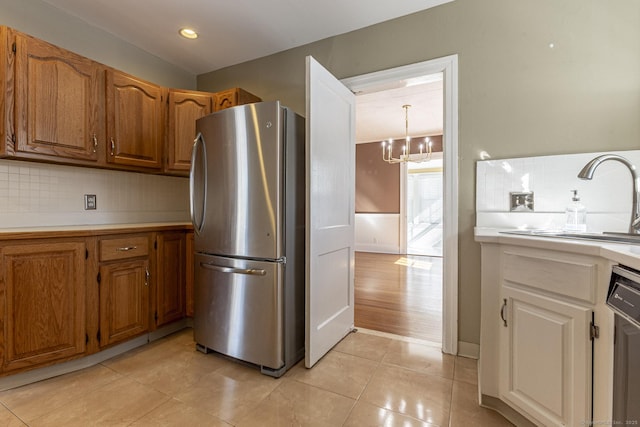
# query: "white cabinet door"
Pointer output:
{"type": "Point", "coordinates": [546, 358]}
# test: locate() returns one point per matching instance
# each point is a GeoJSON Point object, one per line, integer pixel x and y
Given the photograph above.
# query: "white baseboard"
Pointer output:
{"type": "Point", "coordinates": [468, 349]}
{"type": "Point", "coordinates": [383, 249]}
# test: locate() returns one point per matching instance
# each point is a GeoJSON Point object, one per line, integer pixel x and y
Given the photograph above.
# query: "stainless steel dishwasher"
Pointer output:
{"type": "Point", "coordinates": [624, 299]}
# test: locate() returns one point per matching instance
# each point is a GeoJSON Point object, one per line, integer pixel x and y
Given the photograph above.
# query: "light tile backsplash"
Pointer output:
{"type": "Point", "coordinates": [38, 194]}
{"type": "Point", "coordinates": [607, 197]}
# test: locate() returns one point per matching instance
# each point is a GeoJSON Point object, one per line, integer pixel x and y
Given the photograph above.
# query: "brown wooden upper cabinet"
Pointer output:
{"type": "Point", "coordinates": [59, 101]}
{"type": "Point", "coordinates": [135, 119]}
{"type": "Point", "coordinates": [185, 107]}
{"type": "Point", "coordinates": [5, 117]}
{"type": "Point", "coordinates": [61, 107]}
{"type": "Point", "coordinates": [232, 97]}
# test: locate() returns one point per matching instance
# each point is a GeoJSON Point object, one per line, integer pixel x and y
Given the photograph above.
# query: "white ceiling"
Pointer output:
{"type": "Point", "coordinates": [380, 116]}
{"type": "Point", "coordinates": [234, 31]}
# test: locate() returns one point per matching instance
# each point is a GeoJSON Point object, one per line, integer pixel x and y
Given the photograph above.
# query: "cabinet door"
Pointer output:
{"type": "Point", "coordinates": [7, 100]}
{"type": "Point", "coordinates": [190, 274]}
{"type": "Point", "coordinates": [134, 121]}
{"type": "Point", "coordinates": [232, 97]}
{"type": "Point", "coordinates": [43, 298]}
{"type": "Point", "coordinates": [546, 358]}
{"type": "Point", "coordinates": [185, 107]}
{"type": "Point", "coordinates": [59, 102]}
{"type": "Point", "coordinates": [124, 300]}
{"type": "Point", "coordinates": [170, 295]}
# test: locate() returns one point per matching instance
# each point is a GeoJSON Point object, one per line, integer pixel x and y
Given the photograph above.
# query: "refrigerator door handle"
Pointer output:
{"type": "Point", "coordinates": [233, 270]}
{"type": "Point", "coordinates": [198, 142]}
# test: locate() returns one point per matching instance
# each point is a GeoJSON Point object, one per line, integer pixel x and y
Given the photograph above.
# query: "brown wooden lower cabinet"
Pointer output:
{"type": "Point", "coordinates": [170, 277]}
{"type": "Point", "coordinates": [42, 302]}
{"type": "Point", "coordinates": [190, 273]}
{"type": "Point", "coordinates": [124, 300]}
{"type": "Point", "coordinates": [66, 297]}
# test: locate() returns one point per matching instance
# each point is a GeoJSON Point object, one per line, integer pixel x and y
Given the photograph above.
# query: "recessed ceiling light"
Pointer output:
{"type": "Point", "coordinates": [188, 33]}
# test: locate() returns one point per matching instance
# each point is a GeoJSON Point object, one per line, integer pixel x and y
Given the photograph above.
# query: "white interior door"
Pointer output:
{"type": "Point", "coordinates": [330, 153]}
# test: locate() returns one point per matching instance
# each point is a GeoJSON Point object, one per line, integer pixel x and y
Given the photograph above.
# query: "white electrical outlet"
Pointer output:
{"type": "Point", "coordinates": [90, 202]}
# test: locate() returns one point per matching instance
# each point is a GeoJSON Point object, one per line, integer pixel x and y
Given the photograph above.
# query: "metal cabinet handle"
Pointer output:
{"type": "Point", "coordinates": [126, 248]}
{"type": "Point", "coordinates": [233, 270]}
{"type": "Point", "coordinates": [147, 276]}
{"type": "Point", "coordinates": [95, 143]}
{"type": "Point", "coordinates": [504, 307]}
{"type": "Point", "coordinates": [113, 146]}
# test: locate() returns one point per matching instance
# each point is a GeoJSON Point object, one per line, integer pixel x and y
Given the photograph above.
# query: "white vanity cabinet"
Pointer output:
{"type": "Point", "coordinates": [537, 332]}
{"type": "Point", "coordinates": [546, 370]}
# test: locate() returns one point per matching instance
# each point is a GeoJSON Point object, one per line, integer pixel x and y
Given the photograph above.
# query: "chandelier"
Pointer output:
{"type": "Point", "coordinates": [406, 156]}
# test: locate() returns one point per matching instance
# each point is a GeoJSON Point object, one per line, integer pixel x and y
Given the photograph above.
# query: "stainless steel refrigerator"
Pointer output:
{"type": "Point", "coordinates": [247, 191]}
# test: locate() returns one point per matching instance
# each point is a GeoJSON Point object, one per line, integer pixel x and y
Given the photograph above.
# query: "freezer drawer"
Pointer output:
{"type": "Point", "coordinates": [238, 309]}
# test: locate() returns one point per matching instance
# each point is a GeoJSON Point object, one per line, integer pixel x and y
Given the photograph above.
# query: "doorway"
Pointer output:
{"type": "Point", "coordinates": [407, 75]}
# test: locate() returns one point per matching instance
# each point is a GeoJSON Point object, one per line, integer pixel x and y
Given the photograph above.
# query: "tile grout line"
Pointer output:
{"type": "Point", "coordinates": [453, 379]}
{"type": "Point", "coordinates": [14, 414]}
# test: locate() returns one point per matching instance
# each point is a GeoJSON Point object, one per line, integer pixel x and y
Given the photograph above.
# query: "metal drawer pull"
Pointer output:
{"type": "Point", "coordinates": [113, 146]}
{"type": "Point", "coordinates": [95, 142]}
{"type": "Point", "coordinates": [147, 275]}
{"type": "Point", "coordinates": [126, 248]}
{"type": "Point", "coordinates": [232, 270]}
{"type": "Point", "coordinates": [504, 306]}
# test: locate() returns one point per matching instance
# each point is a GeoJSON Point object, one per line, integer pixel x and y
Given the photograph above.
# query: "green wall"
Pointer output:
{"type": "Point", "coordinates": [518, 96]}
{"type": "Point", "coordinates": [45, 22]}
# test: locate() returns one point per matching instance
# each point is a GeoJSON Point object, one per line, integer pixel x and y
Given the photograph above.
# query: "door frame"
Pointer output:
{"type": "Point", "coordinates": [447, 65]}
{"type": "Point", "coordinates": [403, 208]}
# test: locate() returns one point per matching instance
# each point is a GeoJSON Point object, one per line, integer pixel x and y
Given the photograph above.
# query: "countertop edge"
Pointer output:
{"type": "Point", "coordinates": [90, 230]}
{"type": "Point", "coordinates": [617, 252]}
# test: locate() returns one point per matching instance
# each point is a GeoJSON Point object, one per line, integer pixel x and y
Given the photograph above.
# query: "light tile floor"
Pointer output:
{"type": "Point", "coordinates": [366, 380]}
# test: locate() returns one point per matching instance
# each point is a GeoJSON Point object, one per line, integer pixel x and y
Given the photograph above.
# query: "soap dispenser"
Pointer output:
{"type": "Point", "coordinates": [576, 214]}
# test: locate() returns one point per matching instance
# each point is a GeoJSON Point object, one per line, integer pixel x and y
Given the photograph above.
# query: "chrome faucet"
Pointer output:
{"type": "Point", "coordinates": [587, 173]}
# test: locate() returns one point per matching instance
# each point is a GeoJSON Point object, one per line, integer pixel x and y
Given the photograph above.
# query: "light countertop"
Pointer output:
{"type": "Point", "coordinates": [622, 253]}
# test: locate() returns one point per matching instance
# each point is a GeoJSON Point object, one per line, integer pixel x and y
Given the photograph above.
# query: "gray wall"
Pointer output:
{"type": "Point", "coordinates": [42, 20]}
{"type": "Point", "coordinates": [518, 97]}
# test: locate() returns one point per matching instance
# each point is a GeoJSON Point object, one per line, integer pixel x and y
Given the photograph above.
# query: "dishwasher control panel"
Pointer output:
{"type": "Point", "coordinates": [624, 293]}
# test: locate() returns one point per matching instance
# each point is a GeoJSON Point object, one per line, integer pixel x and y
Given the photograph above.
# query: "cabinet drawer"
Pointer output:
{"type": "Point", "coordinates": [125, 247]}
{"type": "Point", "coordinates": [575, 277]}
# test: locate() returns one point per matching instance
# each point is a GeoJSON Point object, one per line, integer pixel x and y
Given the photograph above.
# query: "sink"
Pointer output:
{"type": "Point", "coordinates": [613, 237]}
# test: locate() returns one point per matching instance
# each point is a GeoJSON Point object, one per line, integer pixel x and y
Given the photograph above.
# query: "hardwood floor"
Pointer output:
{"type": "Point", "coordinates": [399, 294]}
